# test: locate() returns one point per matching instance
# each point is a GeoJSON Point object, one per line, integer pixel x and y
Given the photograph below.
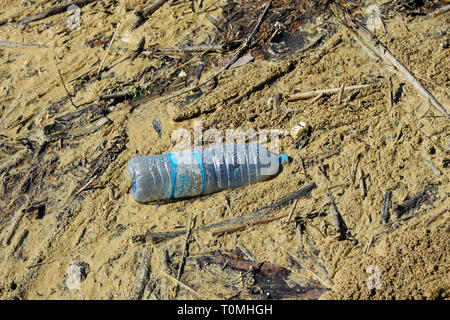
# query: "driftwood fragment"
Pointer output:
{"type": "Point", "coordinates": [156, 237]}
{"type": "Point", "coordinates": [54, 11]}
{"type": "Point", "coordinates": [147, 12]}
{"type": "Point", "coordinates": [152, 7]}
{"type": "Point", "coordinates": [107, 50]}
{"type": "Point", "coordinates": [413, 202]}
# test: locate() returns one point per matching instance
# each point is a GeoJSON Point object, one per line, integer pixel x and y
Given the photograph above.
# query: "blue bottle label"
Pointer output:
{"type": "Point", "coordinates": [188, 174]}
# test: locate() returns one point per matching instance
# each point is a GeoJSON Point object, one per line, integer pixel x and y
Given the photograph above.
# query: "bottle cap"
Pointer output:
{"type": "Point", "coordinates": [283, 159]}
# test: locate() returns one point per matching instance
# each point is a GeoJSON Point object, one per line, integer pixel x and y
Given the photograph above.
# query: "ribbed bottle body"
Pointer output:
{"type": "Point", "coordinates": [200, 171]}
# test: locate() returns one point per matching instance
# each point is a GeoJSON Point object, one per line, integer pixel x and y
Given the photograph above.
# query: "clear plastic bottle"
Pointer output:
{"type": "Point", "coordinates": [201, 171]}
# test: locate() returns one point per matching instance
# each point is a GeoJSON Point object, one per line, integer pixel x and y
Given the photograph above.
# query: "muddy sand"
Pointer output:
{"type": "Point", "coordinates": [70, 228]}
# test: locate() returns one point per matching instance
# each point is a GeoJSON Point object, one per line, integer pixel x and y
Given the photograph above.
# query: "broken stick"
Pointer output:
{"type": "Point", "coordinates": [242, 226]}
{"type": "Point", "coordinates": [311, 94]}
{"type": "Point", "coordinates": [413, 202]}
{"type": "Point", "coordinates": [107, 51]}
{"type": "Point", "coordinates": [65, 88]}
{"type": "Point", "coordinates": [54, 11]}
{"type": "Point", "coordinates": [156, 237]}
{"type": "Point", "coordinates": [180, 268]}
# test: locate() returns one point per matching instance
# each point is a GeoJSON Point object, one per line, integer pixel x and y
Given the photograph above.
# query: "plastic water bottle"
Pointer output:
{"type": "Point", "coordinates": [201, 171]}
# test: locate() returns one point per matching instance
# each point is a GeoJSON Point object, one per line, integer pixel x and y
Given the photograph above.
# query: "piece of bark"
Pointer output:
{"type": "Point", "coordinates": [271, 278]}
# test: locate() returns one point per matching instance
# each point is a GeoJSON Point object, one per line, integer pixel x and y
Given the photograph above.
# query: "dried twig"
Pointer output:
{"type": "Point", "coordinates": [437, 172]}
{"type": "Point", "coordinates": [165, 268]}
{"type": "Point", "coordinates": [269, 277]}
{"type": "Point", "coordinates": [371, 40]}
{"type": "Point", "coordinates": [292, 210]}
{"type": "Point", "coordinates": [325, 283]}
{"type": "Point", "coordinates": [54, 10]}
{"type": "Point", "coordinates": [180, 268]}
{"type": "Point", "coordinates": [391, 95]}
{"type": "Point", "coordinates": [152, 7]}
{"type": "Point", "coordinates": [363, 178]}
{"type": "Point", "coordinates": [107, 51]}
{"type": "Point", "coordinates": [199, 48]}
{"type": "Point", "coordinates": [116, 96]}
{"type": "Point", "coordinates": [178, 282]}
{"type": "Point", "coordinates": [86, 185]}
{"type": "Point", "coordinates": [65, 88]}
{"type": "Point", "coordinates": [311, 94]}
{"type": "Point", "coordinates": [245, 252]}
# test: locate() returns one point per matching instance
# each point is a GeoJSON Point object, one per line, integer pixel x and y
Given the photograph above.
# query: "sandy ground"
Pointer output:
{"type": "Point", "coordinates": [49, 222]}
